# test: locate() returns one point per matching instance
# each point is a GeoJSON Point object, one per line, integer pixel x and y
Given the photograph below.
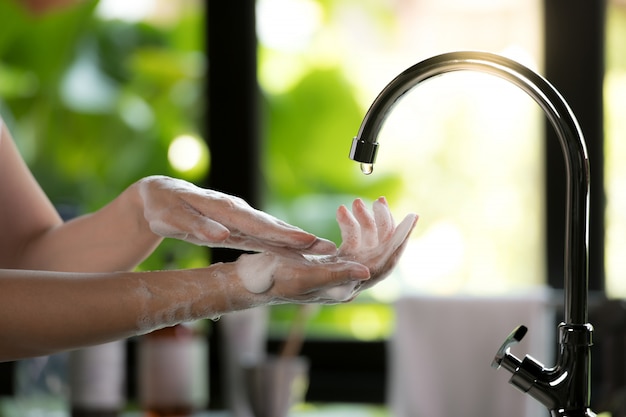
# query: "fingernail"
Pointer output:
{"type": "Point", "coordinates": [358, 202]}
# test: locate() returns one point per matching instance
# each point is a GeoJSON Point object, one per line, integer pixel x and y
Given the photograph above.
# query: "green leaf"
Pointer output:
{"type": "Point", "coordinates": [310, 132]}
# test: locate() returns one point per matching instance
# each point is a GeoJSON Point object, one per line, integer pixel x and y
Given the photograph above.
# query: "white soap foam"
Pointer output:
{"type": "Point", "coordinates": [342, 292]}
{"type": "Point", "coordinates": [256, 271]}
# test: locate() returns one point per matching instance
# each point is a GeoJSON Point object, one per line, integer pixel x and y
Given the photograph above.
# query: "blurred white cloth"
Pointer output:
{"type": "Point", "coordinates": [442, 348]}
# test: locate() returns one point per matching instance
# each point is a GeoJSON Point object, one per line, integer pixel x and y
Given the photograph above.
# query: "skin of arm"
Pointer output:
{"type": "Point", "coordinates": [45, 312]}
{"type": "Point", "coordinates": [65, 285]}
{"type": "Point", "coordinates": [34, 236]}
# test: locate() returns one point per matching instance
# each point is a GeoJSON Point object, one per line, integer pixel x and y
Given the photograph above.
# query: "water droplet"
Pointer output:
{"type": "Point", "coordinates": [366, 168]}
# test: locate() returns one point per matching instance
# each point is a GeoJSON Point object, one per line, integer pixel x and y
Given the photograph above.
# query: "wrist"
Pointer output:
{"type": "Point", "coordinates": [203, 293]}
{"type": "Point", "coordinates": [135, 197]}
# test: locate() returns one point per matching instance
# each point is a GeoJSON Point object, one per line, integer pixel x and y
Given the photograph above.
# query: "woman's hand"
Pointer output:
{"type": "Point", "coordinates": [371, 247]}
{"type": "Point", "coordinates": [372, 238]}
{"type": "Point", "coordinates": [293, 278]}
{"type": "Point", "coordinates": [177, 209]}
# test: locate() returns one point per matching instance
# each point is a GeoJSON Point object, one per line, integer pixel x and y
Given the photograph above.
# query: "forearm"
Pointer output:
{"type": "Point", "coordinates": [46, 312]}
{"type": "Point", "coordinates": [114, 238]}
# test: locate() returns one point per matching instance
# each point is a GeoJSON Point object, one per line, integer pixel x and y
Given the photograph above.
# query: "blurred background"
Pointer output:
{"type": "Point", "coordinates": [101, 93]}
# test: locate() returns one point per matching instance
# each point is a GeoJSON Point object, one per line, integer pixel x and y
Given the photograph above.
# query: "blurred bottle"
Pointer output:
{"type": "Point", "coordinates": [243, 343]}
{"type": "Point", "coordinates": [173, 371]}
{"type": "Point", "coordinates": [97, 380]}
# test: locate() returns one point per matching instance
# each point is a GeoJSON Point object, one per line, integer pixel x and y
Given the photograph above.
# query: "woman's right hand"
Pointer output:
{"type": "Point", "coordinates": [372, 245]}
{"type": "Point", "coordinates": [300, 279]}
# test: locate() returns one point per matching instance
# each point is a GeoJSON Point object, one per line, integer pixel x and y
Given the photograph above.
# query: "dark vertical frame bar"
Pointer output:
{"type": "Point", "coordinates": [574, 64]}
{"type": "Point", "coordinates": [232, 117]}
{"type": "Point", "coordinates": [231, 126]}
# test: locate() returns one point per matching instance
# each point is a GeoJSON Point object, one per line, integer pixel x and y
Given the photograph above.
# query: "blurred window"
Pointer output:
{"type": "Point", "coordinates": [463, 150]}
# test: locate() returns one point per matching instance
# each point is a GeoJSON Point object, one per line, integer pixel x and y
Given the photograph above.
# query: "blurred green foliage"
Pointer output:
{"type": "Point", "coordinates": [363, 320]}
{"type": "Point", "coordinates": [308, 132]}
{"type": "Point", "coordinates": [306, 159]}
{"type": "Point", "coordinates": [94, 104]}
{"type": "Point", "coordinates": [310, 126]}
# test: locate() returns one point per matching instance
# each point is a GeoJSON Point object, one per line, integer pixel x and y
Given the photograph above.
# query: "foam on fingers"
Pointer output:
{"type": "Point", "coordinates": [403, 230]}
{"type": "Point", "coordinates": [350, 230]}
{"type": "Point", "coordinates": [384, 220]}
{"type": "Point", "coordinates": [341, 292]}
{"type": "Point", "coordinates": [369, 231]}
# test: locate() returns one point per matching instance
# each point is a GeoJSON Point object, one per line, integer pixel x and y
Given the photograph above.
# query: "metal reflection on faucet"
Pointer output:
{"type": "Point", "coordinates": [565, 388]}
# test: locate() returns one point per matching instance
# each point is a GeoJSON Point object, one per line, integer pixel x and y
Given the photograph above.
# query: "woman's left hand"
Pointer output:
{"type": "Point", "coordinates": [178, 209]}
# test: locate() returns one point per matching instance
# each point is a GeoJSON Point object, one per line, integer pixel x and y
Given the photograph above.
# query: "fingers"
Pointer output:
{"type": "Point", "coordinates": [201, 229]}
{"type": "Point", "coordinates": [189, 226]}
{"type": "Point", "coordinates": [384, 257]}
{"type": "Point", "coordinates": [362, 229]}
{"type": "Point", "coordinates": [350, 231]}
{"type": "Point", "coordinates": [255, 229]}
{"type": "Point", "coordinates": [403, 231]}
{"type": "Point", "coordinates": [321, 247]}
{"type": "Point", "coordinates": [178, 209]}
{"type": "Point", "coordinates": [369, 230]}
{"type": "Point", "coordinates": [240, 218]}
{"type": "Point", "coordinates": [383, 262]}
{"type": "Point", "coordinates": [302, 280]}
{"type": "Point", "coordinates": [383, 218]}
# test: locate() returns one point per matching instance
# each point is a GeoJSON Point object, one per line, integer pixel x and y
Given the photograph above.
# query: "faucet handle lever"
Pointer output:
{"type": "Point", "coordinates": [503, 356]}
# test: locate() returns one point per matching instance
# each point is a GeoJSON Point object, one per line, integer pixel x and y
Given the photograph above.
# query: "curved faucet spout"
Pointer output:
{"type": "Point", "coordinates": [365, 146]}
{"type": "Point", "coordinates": [575, 332]}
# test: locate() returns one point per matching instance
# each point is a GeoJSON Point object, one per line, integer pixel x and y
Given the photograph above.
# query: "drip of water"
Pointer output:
{"type": "Point", "coordinates": [366, 168]}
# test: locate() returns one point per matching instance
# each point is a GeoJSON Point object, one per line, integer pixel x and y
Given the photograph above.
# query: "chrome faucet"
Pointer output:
{"type": "Point", "coordinates": [565, 388]}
